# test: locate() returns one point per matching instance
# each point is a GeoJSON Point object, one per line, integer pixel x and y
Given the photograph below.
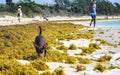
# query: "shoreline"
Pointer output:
{"type": "Point", "coordinates": [10, 20]}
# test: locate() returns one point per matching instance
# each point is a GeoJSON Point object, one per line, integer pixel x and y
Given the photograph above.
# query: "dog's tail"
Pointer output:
{"type": "Point", "coordinates": [40, 30]}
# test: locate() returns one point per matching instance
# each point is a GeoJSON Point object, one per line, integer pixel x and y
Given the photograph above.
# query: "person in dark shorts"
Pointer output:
{"type": "Point", "coordinates": [92, 9]}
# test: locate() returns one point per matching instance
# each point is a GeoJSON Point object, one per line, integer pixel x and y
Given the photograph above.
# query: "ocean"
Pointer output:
{"type": "Point", "coordinates": [110, 28]}
{"type": "Point", "coordinates": [102, 23]}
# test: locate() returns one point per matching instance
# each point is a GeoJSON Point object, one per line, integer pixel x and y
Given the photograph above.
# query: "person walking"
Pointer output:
{"type": "Point", "coordinates": [19, 13]}
{"type": "Point", "coordinates": [92, 9]}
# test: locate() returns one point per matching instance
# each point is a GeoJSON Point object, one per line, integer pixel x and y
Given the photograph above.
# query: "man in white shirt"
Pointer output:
{"type": "Point", "coordinates": [19, 13]}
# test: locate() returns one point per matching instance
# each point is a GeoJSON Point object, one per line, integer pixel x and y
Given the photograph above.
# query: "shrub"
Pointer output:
{"type": "Point", "coordinates": [97, 39]}
{"type": "Point", "coordinates": [13, 67]}
{"type": "Point", "coordinates": [62, 47]}
{"type": "Point", "coordinates": [39, 65]}
{"type": "Point", "coordinates": [72, 47]}
{"type": "Point", "coordinates": [56, 56]}
{"type": "Point", "coordinates": [84, 60]}
{"type": "Point", "coordinates": [16, 41]}
{"type": "Point", "coordinates": [88, 50]}
{"type": "Point", "coordinates": [119, 43]}
{"type": "Point", "coordinates": [104, 58]}
{"type": "Point", "coordinates": [100, 68]}
{"type": "Point", "coordinates": [80, 68]}
{"type": "Point", "coordinates": [111, 52]}
{"type": "Point", "coordinates": [111, 67]}
{"type": "Point", "coordinates": [87, 35]}
{"type": "Point", "coordinates": [103, 42]}
{"type": "Point", "coordinates": [101, 32]}
{"type": "Point", "coordinates": [46, 73]}
{"type": "Point", "coordinates": [59, 71]}
{"type": "Point", "coordinates": [96, 46]}
{"type": "Point", "coordinates": [71, 60]}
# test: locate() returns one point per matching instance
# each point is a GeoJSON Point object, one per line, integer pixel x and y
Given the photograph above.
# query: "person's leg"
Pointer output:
{"type": "Point", "coordinates": [92, 16]}
{"type": "Point", "coordinates": [91, 22]}
{"type": "Point", "coordinates": [19, 19]}
{"type": "Point", "coordinates": [94, 21]}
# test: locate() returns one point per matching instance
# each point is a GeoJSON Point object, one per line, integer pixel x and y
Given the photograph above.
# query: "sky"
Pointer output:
{"type": "Point", "coordinates": [51, 1]}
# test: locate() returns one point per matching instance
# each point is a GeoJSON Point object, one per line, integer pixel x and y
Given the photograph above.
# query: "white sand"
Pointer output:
{"type": "Point", "coordinates": [24, 62]}
{"type": "Point", "coordinates": [107, 72]}
{"type": "Point", "coordinates": [8, 20]}
{"type": "Point", "coordinates": [66, 67]}
{"type": "Point", "coordinates": [78, 43]}
{"type": "Point", "coordinates": [115, 59]}
{"type": "Point", "coordinates": [95, 55]}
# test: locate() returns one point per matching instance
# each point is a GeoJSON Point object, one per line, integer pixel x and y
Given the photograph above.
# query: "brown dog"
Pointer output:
{"type": "Point", "coordinates": [40, 44]}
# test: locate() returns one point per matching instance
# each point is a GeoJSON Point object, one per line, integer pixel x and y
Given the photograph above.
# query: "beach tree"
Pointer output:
{"type": "Point", "coordinates": [62, 3]}
{"type": "Point", "coordinates": [117, 5]}
{"type": "Point", "coordinates": [9, 2]}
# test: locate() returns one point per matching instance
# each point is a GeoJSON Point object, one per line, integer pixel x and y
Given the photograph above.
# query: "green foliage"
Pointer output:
{"type": "Point", "coordinates": [111, 67]}
{"type": "Point", "coordinates": [104, 42]}
{"type": "Point", "coordinates": [59, 71]}
{"type": "Point", "coordinates": [87, 35]}
{"type": "Point", "coordinates": [104, 58]}
{"type": "Point", "coordinates": [16, 42]}
{"type": "Point", "coordinates": [9, 2]}
{"type": "Point", "coordinates": [13, 67]}
{"type": "Point", "coordinates": [80, 68]}
{"type": "Point", "coordinates": [100, 68]}
{"type": "Point", "coordinates": [61, 7]}
{"type": "Point", "coordinates": [88, 50]}
{"type": "Point", "coordinates": [72, 47]}
{"type": "Point", "coordinates": [94, 45]}
{"type": "Point", "coordinates": [39, 65]}
{"type": "Point", "coordinates": [71, 60]}
{"type": "Point", "coordinates": [101, 32]}
{"type": "Point", "coordinates": [106, 7]}
{"type": "Point", "coordinates": [56, 56]}
{"type": "Point", "coordinates": [84, 60]}
{"type": "Point", "coordinates": [111, 52]}
{"type": "Point", "coordinates": [62, 47]}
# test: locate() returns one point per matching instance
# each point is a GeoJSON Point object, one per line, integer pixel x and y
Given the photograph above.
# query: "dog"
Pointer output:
{"type": "Point", "coordinates": [40, 44]}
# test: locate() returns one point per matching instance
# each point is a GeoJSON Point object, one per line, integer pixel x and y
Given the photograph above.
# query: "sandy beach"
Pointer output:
{"type": "Point", "coordinates": [10, 20]}
{"type": "Point", "coordinates": [112, 35]}
{"type": "Point", "coordinates": [105, 50]}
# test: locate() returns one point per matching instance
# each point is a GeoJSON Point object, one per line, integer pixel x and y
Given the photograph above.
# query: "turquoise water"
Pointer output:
{"type": "Point", "coordinates": [102, 23]}
{"type": "Point", "coordinates": [109, 23]}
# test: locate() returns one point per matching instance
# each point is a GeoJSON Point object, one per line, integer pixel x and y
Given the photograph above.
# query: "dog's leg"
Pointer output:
{"type": "Point", "coordinates": [40, 55]}
{"type": "Point", "coordinates": [45, 51]}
